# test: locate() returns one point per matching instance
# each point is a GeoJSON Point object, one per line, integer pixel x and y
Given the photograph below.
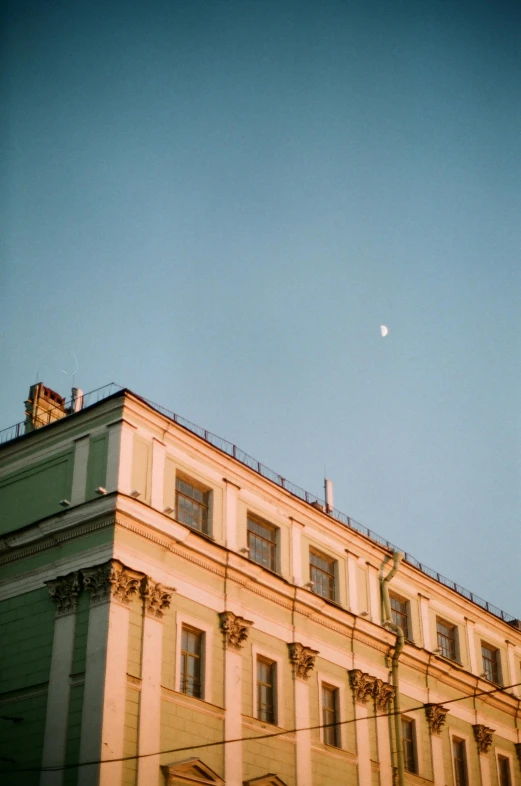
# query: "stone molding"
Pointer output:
{"type": "Point", "coordinates": [436, 715]}
{"type": "Point", "coordinates": [112, 579]}
{"type": "Point", "coordinates": [65, 591]}
{"type": "Point", "coordinates": [365, 686]}
{"type": "Point", "coordinates": [234, 629]}
{"type": "Point", "coordinates": [157, 597]}
{"type": "Point", "coordinates": [483, 737]}
{"type": "Point", "coordinates": [303, 660]}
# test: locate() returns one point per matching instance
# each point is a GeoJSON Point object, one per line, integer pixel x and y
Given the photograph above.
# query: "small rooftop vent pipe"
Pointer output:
{"type": "Point", "coordinates": [328, 493]}
{"type": "Point", "coordinates": [76, 400]}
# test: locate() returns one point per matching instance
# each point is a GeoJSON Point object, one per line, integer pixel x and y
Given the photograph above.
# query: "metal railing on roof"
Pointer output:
{"type": "Point", "coordinates": [244, 458]}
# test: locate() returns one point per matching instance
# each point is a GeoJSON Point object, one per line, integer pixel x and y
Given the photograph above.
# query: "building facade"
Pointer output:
{"type": "Point", "coordinates": [173, 613]}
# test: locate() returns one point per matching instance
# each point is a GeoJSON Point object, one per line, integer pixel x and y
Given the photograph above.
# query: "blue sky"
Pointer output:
{"type": "Point", "coordinates": [217, 204]}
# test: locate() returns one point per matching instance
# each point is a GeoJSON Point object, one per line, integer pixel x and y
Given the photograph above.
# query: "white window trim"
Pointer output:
{"type": "Point", "coordinates": [206, 655]}
{"type": "Point", "coordinates": [417, 743]}
{"type": "Point", "coordinates": [459, 735]}
{"type": "Point", "coordinates": [278, 699]}
{"type": "Point", "coordinates": [328, 679]}
{"type": "Point", "coordinates": [505, 755]}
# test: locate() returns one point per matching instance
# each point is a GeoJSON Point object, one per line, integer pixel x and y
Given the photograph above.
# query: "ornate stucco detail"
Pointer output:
{"type": "Point", "coordinates": [157, 597]}
{"type": "Point", "coordinates": [234, 629]}
{"type": "Point", "coordinates": [64, 591]}
{"type": "Point", "coordinates": [518, 752]}
{"type": "Point", "coordinates": [383, 693]}
{"type": "Point", "coordinates": [112, 579]}
{"type": "Point", "coordinates": [483, 737]}
{"type": "Point", "coordinates": [362, 685]}
{"type": "Point", "coordinates": [303, 660]}
{"type": "Point", "coordinates": [435, 715]}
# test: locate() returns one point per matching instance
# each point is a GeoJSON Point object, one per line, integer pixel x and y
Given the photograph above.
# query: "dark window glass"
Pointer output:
{"type": "Point", "coordinates": [503, 766]}
{"type": "Point", "coordinates": [409, 745]}
{"type": "Point", "coordinates": [446, 639]}
{"type": "Point", "coordinates": [490, 656]}
{"type": "Point", "coordinates": [460, 762]}
{"type": "Point", "coordinates": [330, 716]}
{"type": "Point", "coordinates": [262, 543]}
{"type": "Point", "coordinates": [399, 614]}
{"type": "Point", "coordinates": [191, 505]}
{"type": "Point", "coordinates": [265, 690]}
{"type": "Point", "coordinates": [191, 648]}
{"type": "Point", "coordinates": [322, 573]}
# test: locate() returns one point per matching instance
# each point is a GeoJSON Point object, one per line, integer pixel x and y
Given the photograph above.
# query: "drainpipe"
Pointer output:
{"type": "Point", "coordinates": [388, 623]}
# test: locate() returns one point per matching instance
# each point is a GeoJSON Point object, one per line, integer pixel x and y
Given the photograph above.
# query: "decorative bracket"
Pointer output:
{"type": "Point", "coordinates": [234, 629]}
{"type": "Point", "coordinates": [483, 737]}
{"type": "Point", "coordinates": [111, 579]}
{"type": "Point", "coordinates": [157, 597]}
{"type": "Point", "coordinates": [383, 693]}
{"type": "Point", "coordinates": [435, 715]}
{"type": "Point", "coordinates": [64, 591]}
{"type": "Point", "coordinates": [303, 660]}
{"type": "Point", "coordinates": [362, 685]}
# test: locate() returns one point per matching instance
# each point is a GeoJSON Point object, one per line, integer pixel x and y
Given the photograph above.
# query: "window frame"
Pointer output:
{"type": "Point", "coordinates": [457, 738]}
{"type": "Point", "coordinates": [323, 678]}
{"type": "Point", "coordinates": [185, 620]}
{"type": "Point", "coordinates": [196, 485]}
{"type": "Point", "coordinates": [454, 656]}
{"type": "Point", "coordinates": [278, 701]}
{"type": "Point", "coordinates": [406, 614]}
{"type": "Point", "coordinates": [272, 668]}
{"type": "Point", "coordinates": [411, 723]}
{"type": "Point", "coordinates": [496, 677]}
{"type": "Point", "coordinates": [198, 656]}
{"type": "Point", "coordinates": [504, 756]}
{"type": "Point", "coordinates": [274, 543]}
{"type": "Point", "coordinates": [337, 728]}
{"type": "Point", "coordinates": [331, 577]}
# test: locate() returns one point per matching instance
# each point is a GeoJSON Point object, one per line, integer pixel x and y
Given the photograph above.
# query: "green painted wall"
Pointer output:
{"type": "Point", "coordinates": [21, 743]}
{"type": "Point", "coordinates": [35, 493]}
{"type": "Point", "coordinates": [26, 633]}
{"type": "Point", "coordinates": [97, 465]}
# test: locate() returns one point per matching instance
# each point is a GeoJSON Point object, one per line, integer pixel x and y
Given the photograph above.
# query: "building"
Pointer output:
{"type": "Point", "coordinates": [173, 612]}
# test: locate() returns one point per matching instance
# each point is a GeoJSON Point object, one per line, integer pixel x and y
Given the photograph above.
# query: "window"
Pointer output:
{"type": "Point", "coordinates": [330, 715]}
{"type": "Point", "coordinates": [400, 614]}
{"type": "Point", "coordinates": [191, 504]}
{"type": "Point", "coordinates": [490, 657]}
{"type": "Point", "coordinates": [446, 639]}
{"type": "Point", "coordinates": [322, 574]}
{"type": "Point", "coordinates": [266, 674]}
{"type": "Point", "coordinates": [262, 543]}
{"type": "Point", "coordinates": [460, 762]}
{"type": "Point", "coordinates": [503, 767]}
{"type": "Point", "coordinates": [191, 652]}
{"type": "Point", "coordinates": [409, 745]}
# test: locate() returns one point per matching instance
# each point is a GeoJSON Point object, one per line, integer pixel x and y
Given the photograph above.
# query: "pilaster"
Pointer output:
{"type": "Point", "coordinates": [119, 457]}
{"type": "Point", "coordinates": [79, 472]}
{"type": "Point", "coordinates": [436, 715]}
{"type": "Point", "coordinates": [112, 586]}
{"type": "Point", "coordinates": [235, 633]}
{"type": "Point", "coordinates": [158, 475]}
{"type": "Point", "coordinates": [64, 591]}
{"type": "Point", "coordinates": [303, 661]}
{"type": "Point", "coordinates": [230, 515]}
{"type": "Point", "coordinates": [157, 599]}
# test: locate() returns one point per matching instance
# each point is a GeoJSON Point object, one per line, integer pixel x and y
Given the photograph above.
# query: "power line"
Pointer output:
{"type": "Point", "coordinates": [61, 767]}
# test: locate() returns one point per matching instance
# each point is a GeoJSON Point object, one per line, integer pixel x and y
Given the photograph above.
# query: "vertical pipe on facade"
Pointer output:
{"type": "Point", "coordinates": [388, 623]}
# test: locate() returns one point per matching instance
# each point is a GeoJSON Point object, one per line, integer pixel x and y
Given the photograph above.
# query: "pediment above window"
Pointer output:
{"type": "Point", "coordinates": [190, 772]}
{"type": "Point", "coordinates": [265, 780]}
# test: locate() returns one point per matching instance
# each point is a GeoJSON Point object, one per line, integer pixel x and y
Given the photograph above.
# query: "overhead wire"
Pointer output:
{"type": "Point", "coordinates": [270, 735]}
